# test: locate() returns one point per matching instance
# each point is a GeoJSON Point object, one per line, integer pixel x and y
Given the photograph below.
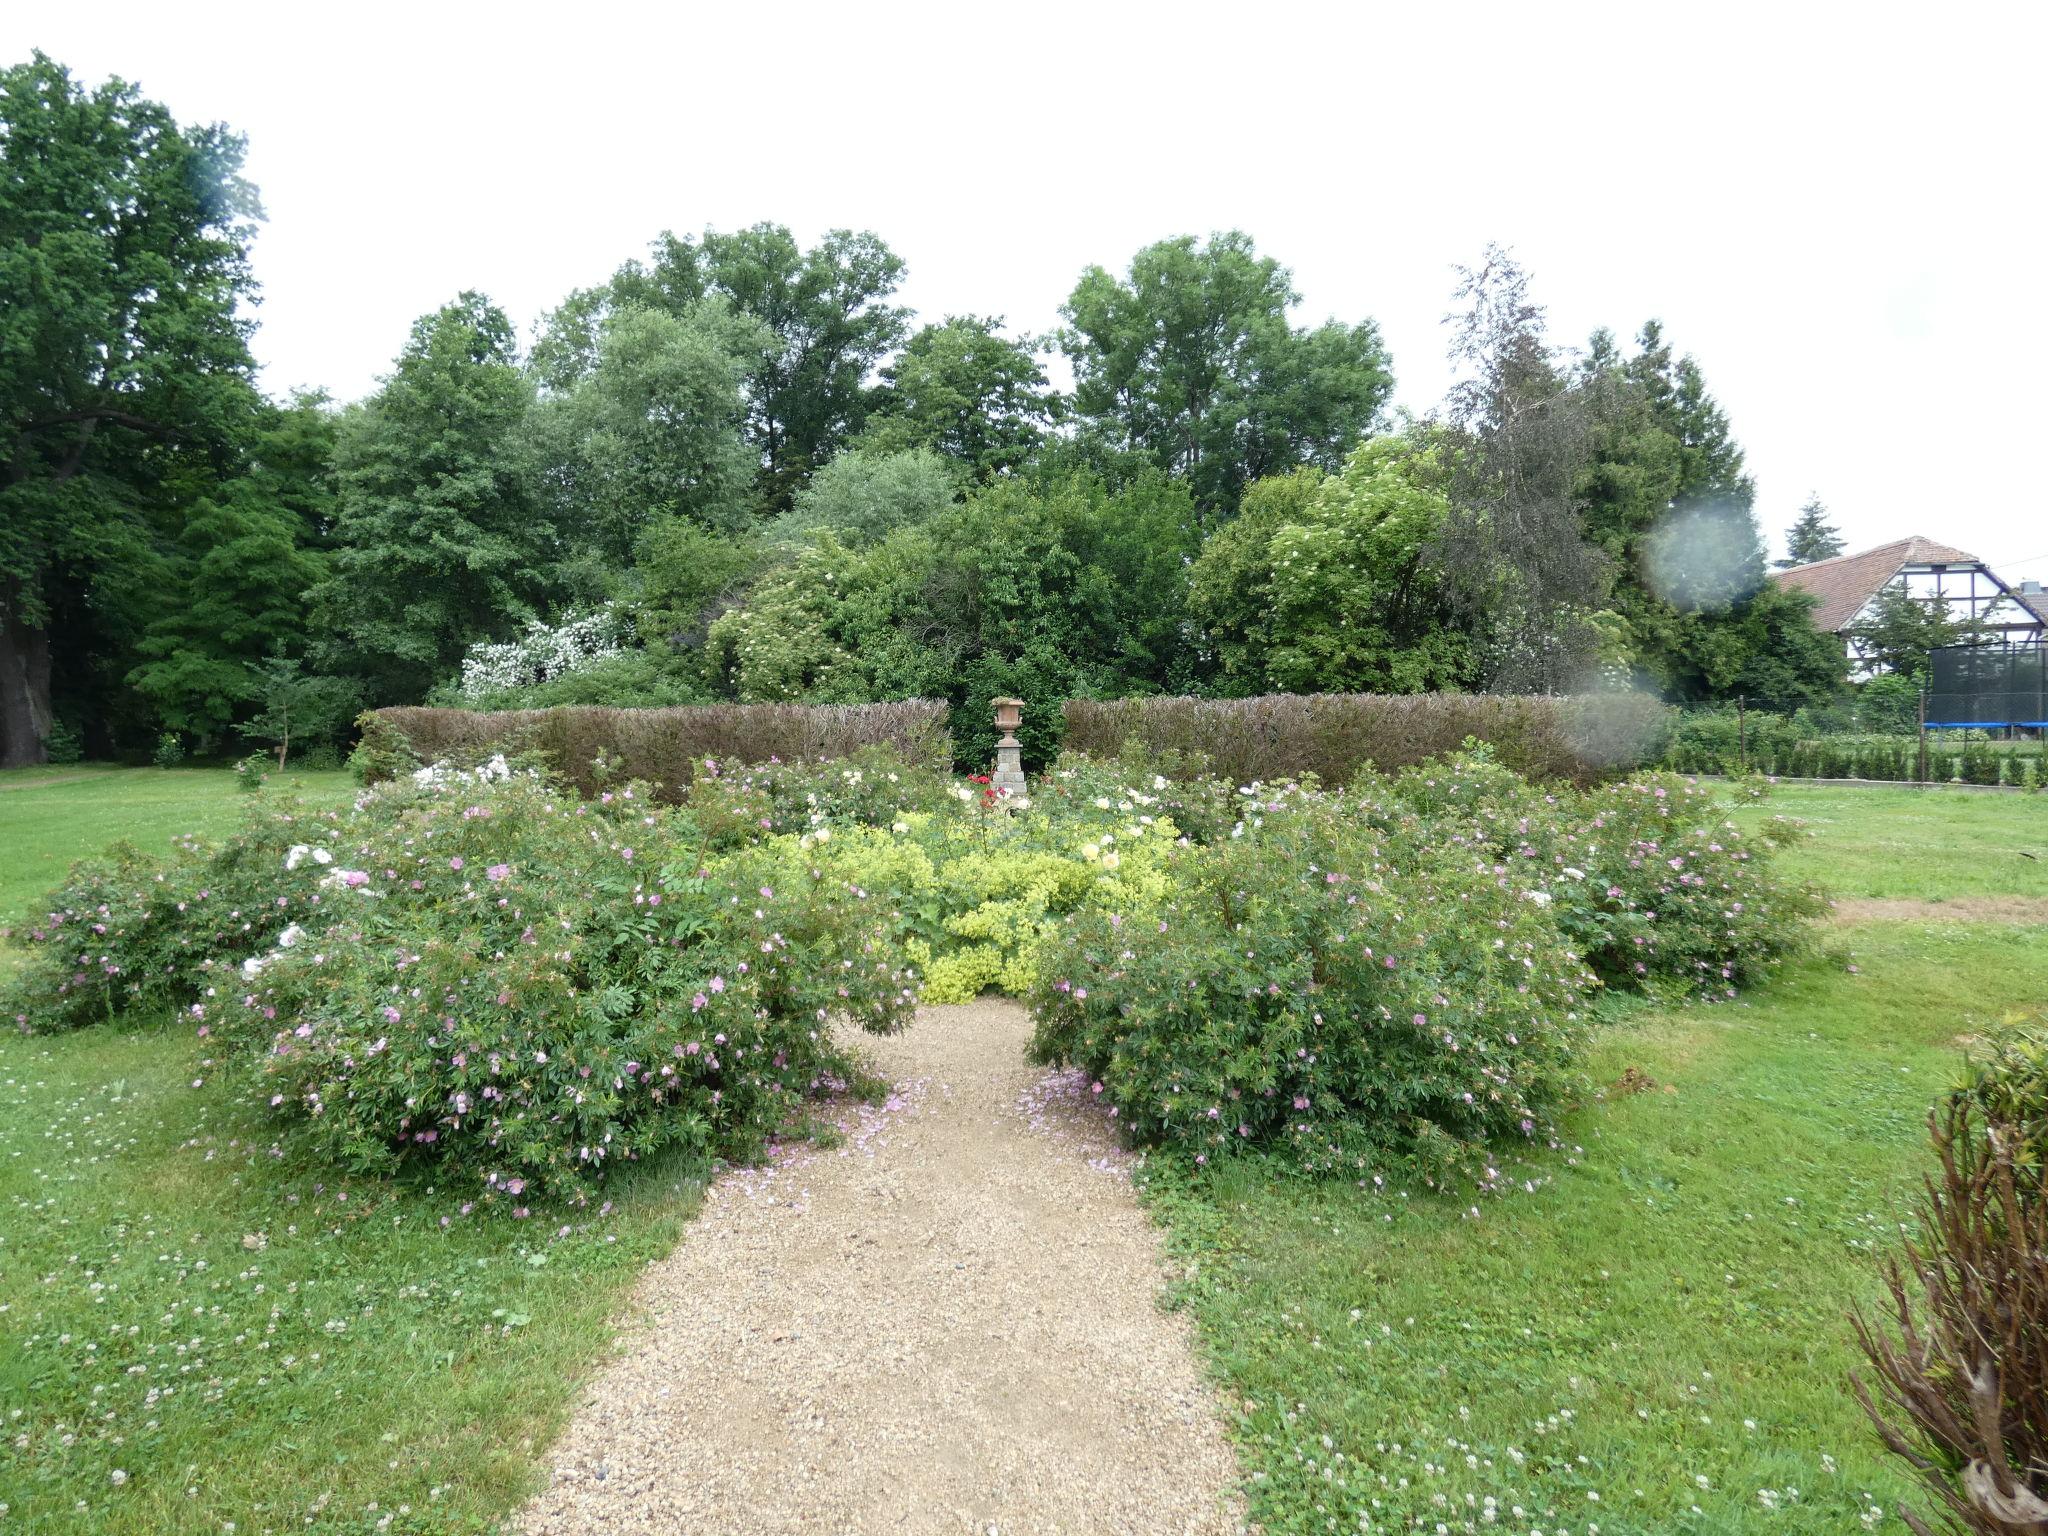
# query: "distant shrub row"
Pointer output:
{"type": "Point", "coordinates": [1714, 742]}
{"type": "Point", "coordinates": [668, 747]}
{"type": "Point", "coordinates": [1583, 738]}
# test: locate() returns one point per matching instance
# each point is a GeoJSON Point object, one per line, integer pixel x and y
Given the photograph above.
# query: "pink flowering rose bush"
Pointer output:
{"type": "Point", "coordinates": [520, 990]}
{"type": "Point", "coordinates": [1324, 983]}
{"type": "Point", "coordinates": [1648, 876]}
{"type": "Point", "coordinates": [128, 933]}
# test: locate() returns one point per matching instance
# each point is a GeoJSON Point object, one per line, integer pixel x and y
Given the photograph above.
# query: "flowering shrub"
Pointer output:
{"type": "Point", "coordinates": [1648, 877]}
{"type": "Point", "coordinates": [528, 988]}
{"type": "Point", "coordinates": [126, 932]}
{"type": "Point", "coordinates": [737, 804]}
{"type": "Point", "coordinates": [545, 651]}
{"type": "Point", "coordinates": [476, 971]}
{"type": "Point", "coordinates": [1322, 984]}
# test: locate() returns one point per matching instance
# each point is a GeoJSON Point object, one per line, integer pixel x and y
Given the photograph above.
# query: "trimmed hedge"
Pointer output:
{"type": "Point", "coordinates": [1583, 738]}
{"type": "Point", "coordinates": [665, 747]}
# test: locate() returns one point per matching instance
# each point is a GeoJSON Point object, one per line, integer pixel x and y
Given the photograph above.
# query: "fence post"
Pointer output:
{"type": "Point", "coordinates": [1920, 760]}
{"type": "Point", "coordinates": [1742, 730]}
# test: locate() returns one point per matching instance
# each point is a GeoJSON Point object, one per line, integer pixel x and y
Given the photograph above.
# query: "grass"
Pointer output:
{"type": "Point", "coordinates": [50, 817]}
{"type": "Point", "coordinates": [194, 1332]}
{"type": "Point", "coordinates": [1652, 1336]}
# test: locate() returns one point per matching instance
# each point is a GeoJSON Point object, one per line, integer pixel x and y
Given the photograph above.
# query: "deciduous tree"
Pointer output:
{"type": "Point", "coordinates": [125, 376]}
{"type": "Point", "coordinates": [439, 543]}
{"type": "Point", "coordinates": [1191, 362]}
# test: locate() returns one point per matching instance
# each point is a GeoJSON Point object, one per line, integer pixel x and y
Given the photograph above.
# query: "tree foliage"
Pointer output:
{"type": "Point", "coordinates": [738, 449]}
{"type": "Point", "coordinates": [827, 322]}
{"type": "Point", "coordinates": [125, 375]}
{"type": "Point", "coordinates": [1812, 537]}
{"type": "Point", "coordinates": [1189, 362]}
{"type": "Point", "coordinates": [964, 389]}
{"type": "Point", "coordinates": [439, 540]}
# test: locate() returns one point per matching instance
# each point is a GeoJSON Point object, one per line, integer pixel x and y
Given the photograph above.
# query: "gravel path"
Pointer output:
{"type": "Point", "coordinates": [948, 1324]}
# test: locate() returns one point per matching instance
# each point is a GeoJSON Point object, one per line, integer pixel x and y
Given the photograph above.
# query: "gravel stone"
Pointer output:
{"type": "Point", "coordinates": [949, 1323]}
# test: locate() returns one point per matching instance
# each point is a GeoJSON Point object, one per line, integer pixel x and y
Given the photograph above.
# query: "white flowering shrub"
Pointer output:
{"type": "Point", "coordinates": [544, 652]}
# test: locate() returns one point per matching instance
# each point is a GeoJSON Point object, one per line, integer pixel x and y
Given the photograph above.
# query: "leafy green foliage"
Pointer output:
{"type": "Point", "coordinates": [124, 372]}
{"type": "Point", "coordinates": [1190, 363]}
{"type": "Point", "coordinates": [1900, 630]}
{"type": "Point", "coordinates": [963, 389]}
{"type": "Point", "coordinates": [438, 539]}
{"type": "Point", "coordinates": [652, 431]}
{"type": "Point", "coordinates": [863, 497]}
{"type": "Point", "coordinates": [1327, 585]}
{"type": "Point", "coordinates": [827, 321]}
{"type": "Point", "coordinates": [1812, 537]}
{"type": "Point", "coordinates": [1317, 983]}
{"type": "Point", "coordinates": [1648, 878]}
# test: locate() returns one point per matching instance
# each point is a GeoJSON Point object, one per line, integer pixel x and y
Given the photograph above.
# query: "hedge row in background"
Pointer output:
{"type": "Point", "coordinates": [1786, 747]}
{"type": "Point", "coordinates": [1332, 735]}
{"type": "Point", "coordinates": [663, 746]}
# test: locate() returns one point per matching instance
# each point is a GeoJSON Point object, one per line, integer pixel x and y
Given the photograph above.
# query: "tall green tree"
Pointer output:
{"type": "Point", "coordinates": [1189, 361]}
{"type": "Point", "coordinates": [1811, 537]}
{"type": "Point", "coordinates": [242, 577]}
{"type": "Point", "coordinates": [1667, 495]}
{"type": "Point", "coordinates": [829, 325]}
{"type": "Point", "coordinates": [964, 389]}
{"type": "Point", "coordinates": [125, 376]}
{"type": "Point", "coordinates": [651, 431]}
{"type": "Point", "coordinates": [438, 542]}
{"type": "Point", "coordinates": [1524, 577]}
{"type": "Point", "coordinates": [236, 574]}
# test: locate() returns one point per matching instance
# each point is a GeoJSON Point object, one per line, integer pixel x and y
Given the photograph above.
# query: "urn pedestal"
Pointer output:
{"type": "Point", "coordinates": [1008, 777]}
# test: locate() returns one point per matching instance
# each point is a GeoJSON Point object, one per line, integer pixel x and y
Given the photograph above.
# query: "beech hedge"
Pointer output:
{"type": "Point", "coordinates": [1584, 738]}
{"type": "Point", "coordinates": [667, 748]}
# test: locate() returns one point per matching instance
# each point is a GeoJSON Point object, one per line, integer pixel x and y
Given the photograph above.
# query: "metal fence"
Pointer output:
{"type": "Point", "coordinates": [1989, 686]}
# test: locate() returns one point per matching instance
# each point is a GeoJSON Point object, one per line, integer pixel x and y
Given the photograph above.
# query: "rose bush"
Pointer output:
{"type": "Point", "coordinates": [1323, 982]}
{"type": "Point", "coordinates": [1649, 878]}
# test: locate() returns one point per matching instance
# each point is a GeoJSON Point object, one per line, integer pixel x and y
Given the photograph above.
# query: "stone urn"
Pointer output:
{"type": "Point", "coordinates": [1008, 777]}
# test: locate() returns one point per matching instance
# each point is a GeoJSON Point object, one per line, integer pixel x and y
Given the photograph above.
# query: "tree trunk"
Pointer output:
{"type": "Point", "coordinates": [24, 684]}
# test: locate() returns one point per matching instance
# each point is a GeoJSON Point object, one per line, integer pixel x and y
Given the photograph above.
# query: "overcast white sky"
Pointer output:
{"type": "Point", "coordinates": [1824, 204]}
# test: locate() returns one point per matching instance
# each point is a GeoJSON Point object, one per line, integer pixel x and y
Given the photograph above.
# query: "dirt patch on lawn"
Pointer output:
{"type": "Point", "coordinates": [2019, 910]}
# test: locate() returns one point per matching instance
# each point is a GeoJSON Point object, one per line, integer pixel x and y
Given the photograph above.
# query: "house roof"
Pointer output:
{"type": "Point", "coordinates": [1842, 586]}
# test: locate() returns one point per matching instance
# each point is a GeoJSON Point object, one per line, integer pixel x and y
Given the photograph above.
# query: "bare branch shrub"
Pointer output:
{"type": "Point", "coordinates": [1959, 1363]}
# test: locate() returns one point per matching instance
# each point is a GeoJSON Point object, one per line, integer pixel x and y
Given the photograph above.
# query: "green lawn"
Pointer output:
{"type": "Point", "coordinates": [242, 1341]}
{"type": "Point", "coordinates": [1652, 1339]}
{"type": "Point", "coordinates": [51, 816]}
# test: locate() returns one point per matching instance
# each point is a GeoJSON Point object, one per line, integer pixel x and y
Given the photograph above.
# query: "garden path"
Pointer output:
{"type": "Point", "coordinates": [949, 1323]}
